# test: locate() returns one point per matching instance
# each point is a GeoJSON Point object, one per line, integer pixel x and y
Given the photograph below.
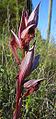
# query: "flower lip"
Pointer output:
{"type": "Point", "coordinates": [31, 30]}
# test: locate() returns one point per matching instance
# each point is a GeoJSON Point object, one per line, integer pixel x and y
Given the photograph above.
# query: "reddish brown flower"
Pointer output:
{"type": "Point", "coordinates": [31, 86]}
{"type": "Point", "coordinates": [26, 32]}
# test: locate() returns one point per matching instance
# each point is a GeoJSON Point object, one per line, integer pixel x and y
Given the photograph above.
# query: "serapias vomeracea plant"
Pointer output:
{"type": "Point", "coordinates": [25, 34]}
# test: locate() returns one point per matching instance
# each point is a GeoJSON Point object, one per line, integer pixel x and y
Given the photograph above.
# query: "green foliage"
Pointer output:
{"type": "Point", "coordinates": [12, 6]}
{"type": "Point", "coordinates": [7, 80]}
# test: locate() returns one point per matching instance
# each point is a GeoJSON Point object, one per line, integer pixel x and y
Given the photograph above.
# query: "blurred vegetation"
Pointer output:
{"type": "Point", "coordinates": [8, 13]}
{"type": "Point", "coordinates": [41, 104]}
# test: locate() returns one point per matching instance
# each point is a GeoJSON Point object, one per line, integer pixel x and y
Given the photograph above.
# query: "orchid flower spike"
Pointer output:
{"type": "Point", "coordinates": [29, 62]}
{"type": "Point", "coordinates": [26, 31]}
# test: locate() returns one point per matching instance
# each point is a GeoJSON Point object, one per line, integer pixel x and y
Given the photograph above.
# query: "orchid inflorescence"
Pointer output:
{"type": "Point", "coordinates": [25, 34]}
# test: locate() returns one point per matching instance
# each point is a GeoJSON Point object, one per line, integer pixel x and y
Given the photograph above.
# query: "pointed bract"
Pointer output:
{"type": "Point", "coordinates": [33, 18]}
{"type": "Point", "coordinates": [23, 23]}
{"type": "Point", "coordinates": [16, 39]}
{"type": "Point", "coordinates": [26, 65]}
{"type": "Point", "coordinates": [35, 62]}
{"type": "Point", "coordinates": [32, 82]}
